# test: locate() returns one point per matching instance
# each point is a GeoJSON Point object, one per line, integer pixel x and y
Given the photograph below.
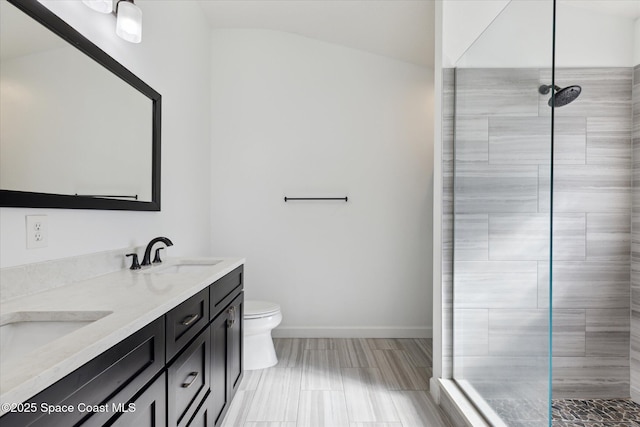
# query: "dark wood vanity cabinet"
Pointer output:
{"type": "Point", "coordinates": [147, 410]}
{"type": "Point", "coordinates": [226, 357]}
{"type": "Point", "coordinates": [181, 370]}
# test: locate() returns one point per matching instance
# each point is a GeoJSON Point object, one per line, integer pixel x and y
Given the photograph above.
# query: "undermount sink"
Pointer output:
{"type": "Point", "coordinates": [191, 266]}
{"type": "Point", "coordinates": [23, 332]}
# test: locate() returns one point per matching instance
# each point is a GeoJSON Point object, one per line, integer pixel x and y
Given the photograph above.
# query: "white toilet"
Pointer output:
{"type": "Point", "coordinates": [260, 317]}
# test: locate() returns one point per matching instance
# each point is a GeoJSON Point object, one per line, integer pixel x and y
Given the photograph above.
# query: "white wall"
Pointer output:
{"type": "Point", "coordinates": [636, 43]}
{"type": "Point", "coordinates": [521, 36]}
{"type": "Point", "coordinates": [298, 117]}
{"type": "Point", "coordinates": [174, 60]}
{"type": "Point", "coordinates": [463, 22]}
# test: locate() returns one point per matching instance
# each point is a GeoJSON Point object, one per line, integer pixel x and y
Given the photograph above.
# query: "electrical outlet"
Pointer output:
{"type": "Point", "coordinates": [37, 231]}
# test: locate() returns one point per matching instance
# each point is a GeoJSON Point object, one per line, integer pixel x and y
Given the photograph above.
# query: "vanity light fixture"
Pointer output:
{"type": "Point", "coordinates": [128, 17]}
{"type": "Point", "coordinates": [102, 6]}
{"type": "Point", "coordinates": [129, 22]}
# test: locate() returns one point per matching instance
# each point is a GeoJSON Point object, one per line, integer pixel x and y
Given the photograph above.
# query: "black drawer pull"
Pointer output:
{"type": "Point", "coordinates": [193, 376]}
{"type": "Point", "coordinates": [189, 319]}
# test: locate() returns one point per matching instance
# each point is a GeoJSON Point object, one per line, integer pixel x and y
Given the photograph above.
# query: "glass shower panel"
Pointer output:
{"type": "Point", "coordinates": [502, 170]}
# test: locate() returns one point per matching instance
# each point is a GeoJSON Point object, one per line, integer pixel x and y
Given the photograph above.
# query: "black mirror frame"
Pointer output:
{"type": "Point", "coordinates": [25, 199]}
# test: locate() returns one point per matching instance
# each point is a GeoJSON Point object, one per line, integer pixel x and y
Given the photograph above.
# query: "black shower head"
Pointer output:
{"type": "Point", "coordinates": [562, 96]}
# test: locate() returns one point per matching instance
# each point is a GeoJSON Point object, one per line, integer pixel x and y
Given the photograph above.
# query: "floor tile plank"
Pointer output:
{"type": "Point", "coordinates": [417, 408]}
{"type": "Point", "coordinates": [375, 425]}
{"type": "Point", "coordinates": [240, 405]}
{"type": "Point", "coordinates": [321, 370]}
{"type": "Point", "coordinates": [322, 409]}
{"type": "Point", "coordinates": [367, 398]}
{"type": "Point", "coordinates": [383, 343]}
{"type": "Point", "coordinates": [398, 372]}
{"type": "Point", "coordinates": [355, 353]}
{"type": "Point", "coordinates": [289, 351]}
{"type": "Point", "coordinates": [250, 380]}
{"type": "Point", "coordinates": [319, 344]}
{"type": "Point", "coordinates": [270, 424]}
{"type": "Point", "coordinates": [277, 395]}
{"type": "Point", "coordinates": [418, 354]}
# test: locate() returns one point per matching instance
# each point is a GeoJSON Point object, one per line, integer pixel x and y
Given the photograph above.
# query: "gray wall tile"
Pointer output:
{"type": "Point", "coordinates": [471, 237]}
{"type": "Point", "coordinates": [569, 336]}
{"type": "Point", "coordinates": [506, 369]}
{"type": "Point", "coordinates": [519, 332]}
{"type": "Point", "coordinates": [635, 243]}
{"type": "Point", "coordinates": [609, 141]}
{"type": "Point", "coordinates": [590, 377]}
{"type": "Point", "coordinates": [608, 237]}
{"type": "Point", "coordinates": [471, 139]}
{"type": "Point", "coordinates": [471, 332]}
{"type": "Point", "coordinates": [607, 332]}
{"type": "Point", "coordinates": [585, 284]}
{"type": "Point", "coordinates": [485, 189]}
{"type": "Point", "coordinates": [527, 140]}
{"type": "Point", "coordinates": [586, 189]}
{"type": "Point", "coordinates": [502, 202]}
{"type": "Point", "coordinates": [526, 236]}
{"type": "Point", "coordinates": [496, 91]}
{"type": "Point", "coordinates": [605, 92]}
{"type": "Point", "coordinates": [495, 284]}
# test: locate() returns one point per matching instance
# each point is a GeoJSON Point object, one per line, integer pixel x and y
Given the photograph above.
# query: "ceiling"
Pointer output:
{"type": "Point", "coordinates": [400, 29]}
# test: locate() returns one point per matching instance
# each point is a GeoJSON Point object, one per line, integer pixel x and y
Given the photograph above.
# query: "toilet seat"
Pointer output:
{"type": "Point", "coordinates": [260, 309]}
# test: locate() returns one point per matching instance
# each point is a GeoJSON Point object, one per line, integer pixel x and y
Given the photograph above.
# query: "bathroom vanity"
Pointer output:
{"type": "Point", "coordinates": [165, 350]}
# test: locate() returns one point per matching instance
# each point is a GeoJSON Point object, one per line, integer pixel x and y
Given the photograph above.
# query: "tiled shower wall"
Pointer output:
{"type": "Point", "coordinates": [635, 243]}
{"type": "Point", "coordinates": [502, 132]}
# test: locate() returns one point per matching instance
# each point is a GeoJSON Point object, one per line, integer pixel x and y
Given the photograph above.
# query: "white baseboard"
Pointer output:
{"type": "Point", "coordinates": [351, 332]}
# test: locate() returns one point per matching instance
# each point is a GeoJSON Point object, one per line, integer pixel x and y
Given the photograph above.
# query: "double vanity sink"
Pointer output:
{"type": "Point", "coordinates": [47, 336]}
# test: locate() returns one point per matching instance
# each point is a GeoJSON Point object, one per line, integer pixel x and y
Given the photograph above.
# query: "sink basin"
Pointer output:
{"type": "Point", "coordinates": [192, 266]}
{"type": "Point", "coordinates": [23, 332]}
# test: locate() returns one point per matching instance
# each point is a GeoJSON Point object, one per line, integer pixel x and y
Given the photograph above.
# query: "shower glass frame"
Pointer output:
{"type": "Point", "coordinates": [502, 237]}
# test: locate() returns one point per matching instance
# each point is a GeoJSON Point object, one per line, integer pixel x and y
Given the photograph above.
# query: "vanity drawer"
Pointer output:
{"type": "Point", "coordinates": [224, 290]}
{"type": "Point", "coordinates": [185, 321]}
{"type": "Point", "coordinates": [114, 377]}
{"type": "Point", "coordinates": [189, 380]}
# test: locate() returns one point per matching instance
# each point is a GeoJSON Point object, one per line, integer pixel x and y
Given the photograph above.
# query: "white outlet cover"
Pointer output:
{"type": "Point", "coordinates": [37, 231]}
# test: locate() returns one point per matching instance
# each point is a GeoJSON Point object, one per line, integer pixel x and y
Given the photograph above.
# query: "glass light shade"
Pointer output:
{"type": "Point", "coordinates": [129, 23]}
{"type": "Point", "coordinates": [102, 6]}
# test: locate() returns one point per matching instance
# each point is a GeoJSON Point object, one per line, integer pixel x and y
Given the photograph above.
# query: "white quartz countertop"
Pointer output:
{"type": "Point", "coordinates": [134, 298]}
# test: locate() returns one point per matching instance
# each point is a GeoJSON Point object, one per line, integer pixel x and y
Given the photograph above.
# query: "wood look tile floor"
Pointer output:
{"type": "Point", "coordinates": [328, 382]}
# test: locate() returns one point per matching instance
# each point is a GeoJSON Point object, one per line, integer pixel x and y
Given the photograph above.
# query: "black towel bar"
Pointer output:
{"type": "Point", "coordinates": [315, 198]}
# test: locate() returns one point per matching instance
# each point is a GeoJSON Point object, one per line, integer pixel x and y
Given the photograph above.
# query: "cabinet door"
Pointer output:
{"type": "Point", "coordinates": [202, 417]}
{"type": "Point", "coordinates": [234, 349]}
{"type": "Point", "coordinates": [148, 410]}
{"type": "Point", "coordinates": [188, 380]}
{"type": "Point", "coordinates": [219, 345]}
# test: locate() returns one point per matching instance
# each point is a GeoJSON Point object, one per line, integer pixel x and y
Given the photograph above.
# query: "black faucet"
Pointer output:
{"type": "Point", "coordinates": [147, 252]}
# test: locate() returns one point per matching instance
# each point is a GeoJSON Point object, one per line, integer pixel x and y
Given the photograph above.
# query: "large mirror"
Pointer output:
{"type": "Point", "coordinates": [77, 129]}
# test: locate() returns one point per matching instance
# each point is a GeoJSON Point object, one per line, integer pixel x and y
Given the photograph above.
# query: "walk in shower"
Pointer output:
{"type": "Point", "coordinates": [542, 144]}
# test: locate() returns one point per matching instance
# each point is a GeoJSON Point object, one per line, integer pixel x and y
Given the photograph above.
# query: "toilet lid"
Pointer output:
{"type": "Point", "coordinates": [259, 308]}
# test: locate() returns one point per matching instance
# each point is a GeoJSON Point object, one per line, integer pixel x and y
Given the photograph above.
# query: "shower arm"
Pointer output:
{"type": "Point", "coordinates": [544, 89]}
